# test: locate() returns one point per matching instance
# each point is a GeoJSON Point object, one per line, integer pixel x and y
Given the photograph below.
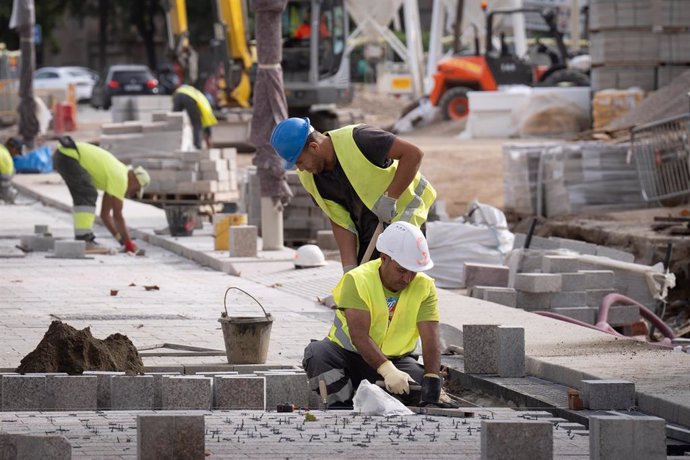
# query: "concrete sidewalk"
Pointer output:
{"type": "Point", "coordinates": [557, 351]}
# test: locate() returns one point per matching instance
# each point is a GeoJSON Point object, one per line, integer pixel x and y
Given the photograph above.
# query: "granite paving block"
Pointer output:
{"type": "Point", "coordinates": [615, 254]}
{"type": "Point", "coordinates": [569, 299]}
{"type": "Point", "coordinates": [530, 301]}
{"type": "Point", "coordinates": [476, 292]}
{"type": "Point", "coordinates": [537, 282]}
{"type": "Point", "coordinates": [103, 387]}
{"type": "Point", "coordinates": [28, 447]}
{"type": "Point", "coordinates": [128, 392]}
{"type": "Point", "coordinates": [504, 296]}
{"type": "Point", "coordinates": [480, 344]}
{"type": "Point", "coordinates": [595, 296]}
{"type": "Point", "coordinates": [528, 440]}
{"type": "Point", "coordinates": [171, 437]}
{"type": "Point", "coordinates": [559, 264]}
{"type": "Point", "coordinates": [573, 282]}
{"type": "Point", "coordinates": [37, 243]}
{"type": "Point", "coordinates": [41, 229]}
{"type": "Point", "coordinates": [242, 241]}
{"type": "Point", "coordinates": [72, 392]}
{"type": "Point", "coordinates": [623, 315]}
{"type": "Point", "coordinates": [186, 392]}
{"type": "Point", "coordinates": [530, 261]}
{"type": "Point", "coordinates": [511, 351]}
{"type": "Point", "coordinates": [288, 387]}
{"type": "Point", "coordinates": [608, 394]}
{"type": "Point", "coordinates": [486, 275]}
{"type": "Point", "coordinates": [70, 249]}
{"type": "Point", "coordinates": [23, 392]}
{"type": "Point", "coordinates": [239, 392]}
{"type": "Point", "coordinates": [624, 437]}
{"type": "Point", "coordinates": [585, 314]}
{"type": "Point", "coordinates": [598, 279]}
{"type": "Point", "coordinates": [158, 386]}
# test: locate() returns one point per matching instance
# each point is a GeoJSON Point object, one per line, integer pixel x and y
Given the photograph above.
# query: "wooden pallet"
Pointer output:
{"type": "Point", "coordinates": [189, 198]}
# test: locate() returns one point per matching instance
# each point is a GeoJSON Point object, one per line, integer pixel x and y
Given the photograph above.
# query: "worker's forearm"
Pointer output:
{"type": "Point", "coordinates": [431, 347]}
{"type": "Point", "coordinates": [121, 228]}
{"type": "Point", "coordinates": [404, 175]}
{"type": "Point", "coordinates": [109, 224]}
{"type": "Point", "coordinates": [347, 244]}
{"type": "Point", "coordinates": [369, 351]}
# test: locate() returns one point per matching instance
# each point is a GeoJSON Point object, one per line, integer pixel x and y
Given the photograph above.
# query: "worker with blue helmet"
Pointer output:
{"type": "Point", "coordinates": [359, 176]}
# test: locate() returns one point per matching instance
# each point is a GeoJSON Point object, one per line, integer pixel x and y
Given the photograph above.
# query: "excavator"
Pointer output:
{"type": "Point", "coordinates": [315, 67]}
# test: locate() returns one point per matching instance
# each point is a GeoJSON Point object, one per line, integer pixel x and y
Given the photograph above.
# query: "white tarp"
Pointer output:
{"type": "Point", "coordinates": [482, 236]}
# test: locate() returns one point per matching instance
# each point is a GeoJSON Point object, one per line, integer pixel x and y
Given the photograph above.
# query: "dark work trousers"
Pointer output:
{"type": "Point", "coordinates": [343, 370]}
{"type": "Point", "coordinates": [184, 102]}
{"type": "Point", "coordinates": [84, 194]}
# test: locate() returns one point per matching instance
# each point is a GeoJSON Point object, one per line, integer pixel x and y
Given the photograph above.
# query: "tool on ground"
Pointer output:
{"type": "Point", "coordinates": [285, 407]}
{"type": "Point", "coordinates": [323, 392]}
{"type": "Point", "coordinates": [441, 412]}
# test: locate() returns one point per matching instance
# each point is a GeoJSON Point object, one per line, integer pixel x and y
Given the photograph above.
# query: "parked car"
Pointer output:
{"type": "Point", "coordinates": [60, 77]}
{"type": "Point", "coordinates": [123, 80]}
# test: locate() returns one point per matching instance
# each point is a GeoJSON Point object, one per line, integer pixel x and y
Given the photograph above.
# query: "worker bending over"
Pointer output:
{"type": "Point", "coordinates": [384, 306]}
{"type": "Point", "coordinates": [359, 176]}
{"type": "Point", "coordinates": [11, 148]}
{"type": "Point", "coordinates": [199, 110]}
{"type": "Point", "coordinates": [86, 168]}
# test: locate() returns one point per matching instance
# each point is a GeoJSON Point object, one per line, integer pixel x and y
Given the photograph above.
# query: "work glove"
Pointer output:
{"type": "Point", "coordinates": [384, 208]}
{"type": "Point", "coordinates": [130, 246]}
{"type": "Point", "coordinates": [396, 381]}
{"type": "Point", "coordinates": [431, 388]}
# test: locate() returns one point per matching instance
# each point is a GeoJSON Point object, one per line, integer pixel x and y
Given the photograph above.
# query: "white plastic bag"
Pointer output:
{"type": "Point", "coordinates": [373, 400]}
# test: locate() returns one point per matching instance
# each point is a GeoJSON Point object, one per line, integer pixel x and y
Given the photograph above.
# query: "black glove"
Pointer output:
{"type": "Point", "coordinates": [431, 388]}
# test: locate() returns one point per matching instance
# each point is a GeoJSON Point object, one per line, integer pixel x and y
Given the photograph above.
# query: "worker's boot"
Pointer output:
{"type": "Point", "coordinates": [89, 239]}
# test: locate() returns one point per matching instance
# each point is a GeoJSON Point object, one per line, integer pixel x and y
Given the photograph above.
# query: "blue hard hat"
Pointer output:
{"type": "Point", "coordinates": [288, 139]}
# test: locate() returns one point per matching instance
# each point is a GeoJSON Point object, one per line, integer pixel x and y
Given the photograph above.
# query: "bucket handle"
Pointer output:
{"type": "Point", "coordinates": [225, 298]}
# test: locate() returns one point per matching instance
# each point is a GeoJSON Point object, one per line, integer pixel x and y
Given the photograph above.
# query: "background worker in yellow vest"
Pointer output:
{"type": "Point", "coordinates": [87, 168]}
{"type": "Point", "coordinates": [11, 148]}
{"type": "Point", "coordinates": [384, 306]}
{"type": "Point", "coordinates": [359, 176]}
{"type": "Point", "coordinates": [199, 110]}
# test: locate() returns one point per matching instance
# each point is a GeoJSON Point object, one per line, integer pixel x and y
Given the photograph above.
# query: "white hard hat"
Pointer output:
{"type": "Point", "coordinates": [406, 245]}
{"type": "Point", "coordinates": [309, 255]}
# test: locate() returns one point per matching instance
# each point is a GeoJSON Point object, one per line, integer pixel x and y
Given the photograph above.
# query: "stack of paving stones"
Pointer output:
{"type": "Point", "coordinates": [41, 241]}
{"type": "Point", "coordinates": [302, 218]}
{"type": "Point", "coordinates": [577, 177]}
{"type": "Point", "coordinates": [129, 108]}
{"type": "Point", "coordinates": [206, 390]}
{"type": "Point", "coordinates": [638, 43]}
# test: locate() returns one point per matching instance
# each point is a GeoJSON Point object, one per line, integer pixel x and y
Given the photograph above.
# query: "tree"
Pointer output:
{"type": "Point", "coordinates": [142, 14]}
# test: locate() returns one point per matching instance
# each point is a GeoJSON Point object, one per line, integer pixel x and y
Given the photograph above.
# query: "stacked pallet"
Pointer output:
{"type": "Point", "coordinates": [560, 179]}
{"type": "Point", "coordinates": [302, 218]}
{"type": "Point", "coordinates": [638, 43]}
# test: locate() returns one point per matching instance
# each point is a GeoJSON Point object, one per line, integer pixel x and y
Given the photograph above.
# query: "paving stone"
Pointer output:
{"type": "Point", "coordinates": [530, 301]}
{"type": "Point", "coordinates": [290, 388]}
{"type": "Point", "coordinates": [325, 240]}
{"type": "Point", "coordinates": [129, 392]}
{"type": "Point", "coordinates": [480, 344]}
{"type": "Point", "coordinates": [569, 299]}
{"type": "Point", "coordinates": [243, 241]}
{"type": "Point", "coordinates": [103, 387]}
{"type": "Point", "coordinates": [174, 437]}
{"type": "Point", "coordinates": [530, 261]}
{"type": "Point", "coordinates": [585, 314]}
{"type": "Point", "coordinates": [69, 249]}
{"type": "Point", "coordinates": [573, 282]}
{"type": "Point", "coordinates": [528, 440]}
{"type": "Point", "coordinates": [20, 447]}
{"type": "Point", "coordinates": [37, 243]}
{"type": "Point", "coordinates": [239, 392]}
{"type": "Point", "coordinates": [559, 264]}
{"type": "Point", "coordinates": [595, 296]}
{"type": "Point", "coordinates": [615, 254]}
{"type": "Point", "coordinates": [581, 247]}
{"type": "Point", "coordinates": [486, 275]}
{"type": "Point", "coordinates": [511, 351]}
{"type": "Point", "coordinates": [41, 229]}
{"type": "Point", "coordinates": [537, 282]}
{"type": "Point", "coordinates": [626, 438]}
{"type": "Point", "coordinates": [23, 392]}
{"type": "Point", "coordinates": [608, 394]}
{"type": "Point", "coordinates": [476, 292]}
{"type": "Point", "coordinates": [186, 392]}
{"type": "Point", "coordinates": [623, 315]}
{"type": "Point", "coordinates": [598, 279]}
{"type": "Point", "coordinates": [504, 296]}
{"type": "Point", "coordinates": [72, 392]}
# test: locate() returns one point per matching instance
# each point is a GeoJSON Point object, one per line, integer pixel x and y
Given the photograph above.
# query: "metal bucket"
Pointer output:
{"type": "Point", "coordinates": [246, 337]}
{"type": "Point", "coordinates": [181, 219]}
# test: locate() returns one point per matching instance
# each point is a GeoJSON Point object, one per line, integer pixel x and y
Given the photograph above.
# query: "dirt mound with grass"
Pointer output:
{"type": "Point", "coordinates": [65, 349]}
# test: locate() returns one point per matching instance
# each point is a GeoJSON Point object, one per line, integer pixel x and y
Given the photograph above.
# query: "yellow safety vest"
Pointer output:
{"type": "Point", "coordinates": [207, 117]}
{"type": "Point", "coordinates": [397, 337]}
{"type": "Point", "coordinates": [6, 162]}
{"type": "Point", "coordinates": [369, 182]}
{"type": "Point", "coordinates": [107, 172]}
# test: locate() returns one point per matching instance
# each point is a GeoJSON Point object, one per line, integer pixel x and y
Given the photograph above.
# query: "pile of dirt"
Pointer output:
{"type": "Point", "coordinates": [666, 102]}
{"type": "Point", "coordinates": [65, 349]}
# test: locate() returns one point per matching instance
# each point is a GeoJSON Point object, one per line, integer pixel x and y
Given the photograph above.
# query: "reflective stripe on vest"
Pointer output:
{"type": "Point", "coordinates": [207, 117]}
{"type": "Point", "coordinates": [397, 337]}
{"type": "Point", "coordinates": [369, 182]}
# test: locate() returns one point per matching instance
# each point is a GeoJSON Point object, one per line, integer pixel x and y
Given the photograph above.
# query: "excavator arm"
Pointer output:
{"type": "Point", "coordinates": [178, 39]}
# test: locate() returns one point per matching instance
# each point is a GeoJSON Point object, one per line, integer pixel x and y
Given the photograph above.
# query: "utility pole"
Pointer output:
{"type": "Point", "coordinates": [23, 20]}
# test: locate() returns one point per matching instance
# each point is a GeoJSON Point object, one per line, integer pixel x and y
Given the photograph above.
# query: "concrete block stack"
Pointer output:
{"type": "Point", "coordinates": [642, 43]}
{"type": "Point", "coordinates": [127, 108]}
{"type": "Point", "coordinates": [569, 178]}
{"type": "Point", "coordinates": [129, 141]}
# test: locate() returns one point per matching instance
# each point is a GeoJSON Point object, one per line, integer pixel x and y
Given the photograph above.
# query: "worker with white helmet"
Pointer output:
{"type": "Point", "coordinates": [384, 306]}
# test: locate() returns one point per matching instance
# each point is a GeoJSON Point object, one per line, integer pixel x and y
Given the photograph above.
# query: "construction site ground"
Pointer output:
{"type": "Point", "coordinates": [192, 279]}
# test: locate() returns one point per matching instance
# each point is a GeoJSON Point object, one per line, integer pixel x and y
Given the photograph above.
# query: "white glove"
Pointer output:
{"type": "Point", "coordinates": [384, 208]}
{"type": "Point", "coordinates": [396, 381]}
